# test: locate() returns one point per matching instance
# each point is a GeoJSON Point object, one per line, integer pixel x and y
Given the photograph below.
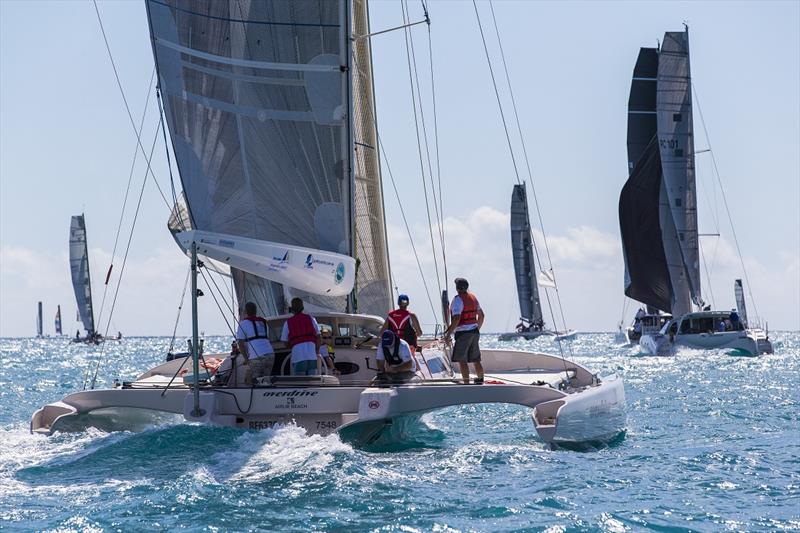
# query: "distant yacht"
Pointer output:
{"type": "Point", "coordinates": [531, 323]}
{"type": "Point", "coordinates": [658, 215]}
{"type": "Point", "coordinates": [81, 280]}
{"type": "Point", "coordinates": [39, 324]}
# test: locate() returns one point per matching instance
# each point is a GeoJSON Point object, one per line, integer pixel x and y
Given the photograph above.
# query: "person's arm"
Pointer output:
{"type": "Point", "coordinates": [415, 325]}
{"type": "Point", "coordinates": [481, 316]}
{"type": "Point", "coordinates": [318, 340]}
{"type": "Point", "coordinates": [455, 320]}
{"type": "Point", "coordinates": [240, 336]}
{"type": "Point", "coordinates": [384, 327]}
{"type": "Point", "coordinates": [405, 367]}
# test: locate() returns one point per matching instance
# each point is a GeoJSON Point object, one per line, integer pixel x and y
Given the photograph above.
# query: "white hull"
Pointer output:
{"type": "Point", "coordinates": [573, 405]}
{"type": "Point", "coordinates": [749, 342]}
{"type": "Point", "coordinates": [527, 335]}
{"type": "Point", "coordinates": [569, 335]}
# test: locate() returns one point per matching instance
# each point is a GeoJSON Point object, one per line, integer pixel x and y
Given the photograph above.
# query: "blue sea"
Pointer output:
{"type": "Point", "coordinates": [713, 444]}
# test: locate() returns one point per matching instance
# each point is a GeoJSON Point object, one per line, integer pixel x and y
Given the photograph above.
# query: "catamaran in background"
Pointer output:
{"type": "Point", "coordinates": [658, 215]}
{"type": "Point", "coordinates": [284, 195]}
{"type": "Point", "coordinates": [523, 250]}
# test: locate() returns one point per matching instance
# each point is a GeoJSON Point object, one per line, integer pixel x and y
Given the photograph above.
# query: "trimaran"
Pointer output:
{"type": "Point", "coordinates": [271, 115]}
{"type": "Point", "coordinates": [658, 215]}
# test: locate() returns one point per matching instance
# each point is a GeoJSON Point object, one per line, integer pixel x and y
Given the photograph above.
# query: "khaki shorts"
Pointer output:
{"type": "Point", "coordinates": [466, 349]}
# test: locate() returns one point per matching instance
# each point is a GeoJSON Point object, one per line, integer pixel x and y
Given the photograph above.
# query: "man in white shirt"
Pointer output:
{"type": "Point", "coordinates": [301, 333]}
{"type": "Point", "coordinates": [466, 320]}
{"type": "Point", "coordinates": [253, 340]}
{"type": "Point", "coordinates": [395, 362]}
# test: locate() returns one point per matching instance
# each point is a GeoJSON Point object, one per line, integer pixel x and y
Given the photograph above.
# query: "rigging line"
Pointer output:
{"type": "Point", "coordinates": [405, 223]}
{"type": "Point", "coordinates": [127, 191]}
{"type": "Point", "coordinates": [436, 141]}
{"type": "Point", "coordinates": [214, 296]}
{"type": "Point", "coordinates": [513, 159]}
{"type": "Point", "coordinates": [180, 308]}
{"type": "Point", "coordinates": [497, 93]}
{"type": "Point", "coordinates": [125, 99]}
{"type": "Point", "coordinates": [421, 162]}
{"type": "Point", "coordinates": [425, 135]}
{"type": "Point", "coordinates": [708, 275]}
{"type": "Point", "coordinates": [402, 212]}
{"type": "Point", "coordinates": [127, 249]}
{"type": "Point", "coordinates": [527, 164]}
{"type": "Point", "coordinates": [725, 201]}
{"type": "Point", "coordinates": [169, 160]}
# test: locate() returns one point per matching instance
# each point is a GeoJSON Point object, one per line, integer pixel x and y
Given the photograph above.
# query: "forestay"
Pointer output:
{"type": "Point", "coordinates": [257, 98]}
{"type": "Point", "coordinates": [79, 268]}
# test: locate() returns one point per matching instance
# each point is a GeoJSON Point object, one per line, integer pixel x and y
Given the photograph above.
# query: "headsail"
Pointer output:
{"type": "Point", "coordinates": [257, 97]}
{"type": "Point", "coordinates": [657, 209]}
{"type": "Point", "coordinates": [79, 267]}
{"type": "Point", "coordinates": [522, 251]}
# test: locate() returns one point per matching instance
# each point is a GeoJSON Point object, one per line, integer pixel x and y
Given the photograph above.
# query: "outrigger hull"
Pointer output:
{"type": "Point", "coordinates": [748, 342]}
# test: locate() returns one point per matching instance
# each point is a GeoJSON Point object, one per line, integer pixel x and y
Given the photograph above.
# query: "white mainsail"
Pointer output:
{"type": "Point", "coordinates": [79, 268]}
{"type": "Point", "coordinates": [258, 99]}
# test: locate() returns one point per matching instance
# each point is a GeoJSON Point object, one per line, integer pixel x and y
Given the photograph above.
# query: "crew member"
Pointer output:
{"type": "Point", "coordinates": [467, 319]}
{"type": "Point", "coordinates": [254, 346]}
{"type": "Point", "coordinates": [326, 353]}
{"type": "Point", "coordinates": [301, 331]}
{"type": "Point", "coordinates": [403, 323]}
{"type": "Point", "coordinates": [395, 362]}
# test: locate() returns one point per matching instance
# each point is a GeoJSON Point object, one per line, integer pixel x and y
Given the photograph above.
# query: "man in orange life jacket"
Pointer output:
{"type": "Point", "coordinates": [467, 319]}
{"type": "Point", "coordinates": [301, 331]}
{"type": "Point", "coordinates": [403, 323]}
{"type": "Point", "coordinates": [254, 345]}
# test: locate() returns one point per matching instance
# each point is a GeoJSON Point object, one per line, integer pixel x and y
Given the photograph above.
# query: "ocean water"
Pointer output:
{"type": "Point", "coordinates": [713, 444]}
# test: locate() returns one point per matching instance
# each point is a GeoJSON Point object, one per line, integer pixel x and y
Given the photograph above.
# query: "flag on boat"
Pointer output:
{"type": "Point", "coordinates": [547, 279]}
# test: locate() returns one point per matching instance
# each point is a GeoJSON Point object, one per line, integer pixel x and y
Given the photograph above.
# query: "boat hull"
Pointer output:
{"type": "Point", "coordinates": [747, 342]}
{"type": "Point", "coordinates": [527, 335]}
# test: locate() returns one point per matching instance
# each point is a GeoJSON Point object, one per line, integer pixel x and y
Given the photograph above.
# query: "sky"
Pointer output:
{"type": "Point", "coordinates": [67, 145]}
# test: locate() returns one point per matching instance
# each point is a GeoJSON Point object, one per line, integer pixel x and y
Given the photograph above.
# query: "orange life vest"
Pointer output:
{"type": "Point", "coordinates": [400, 322]}
{"type": "Point", "coordinates": [469, 315]}
{"type": "Point", "coordinates": [301, 329]}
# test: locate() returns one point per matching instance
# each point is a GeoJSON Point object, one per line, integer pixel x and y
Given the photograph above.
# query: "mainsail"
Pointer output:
{"type": "Point", "coordinates": [79, 267]}
{"type": "Point", "coordinates": [58, 321]}
{"type": "Point", "coordinates": [657, 208]}
{"type": "Point", "coordinates": [738, 292]}
{"type": "Point", "coordinates": [257, 97]}
{"type": "Point", "coordinates": [39, 328]}
{"type": "Point", "coordinates": [522, 251]}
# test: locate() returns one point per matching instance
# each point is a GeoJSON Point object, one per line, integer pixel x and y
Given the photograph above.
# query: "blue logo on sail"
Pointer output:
{"type": "Point", "coordinates": [310, 261]}
{"type": "Point", "coordinates": [338, 276]}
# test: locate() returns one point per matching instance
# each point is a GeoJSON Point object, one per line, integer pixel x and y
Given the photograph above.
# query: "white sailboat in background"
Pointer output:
{"type": "Point", "coordinates": [272, 121]}
{"type": "Point", "coordinates": [532, 323]}
{"type": "Point", "coordinates": [658, 214]}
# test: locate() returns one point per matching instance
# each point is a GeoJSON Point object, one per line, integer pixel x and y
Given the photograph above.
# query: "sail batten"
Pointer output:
{"type": "Point", "coordinates": [79, 268]}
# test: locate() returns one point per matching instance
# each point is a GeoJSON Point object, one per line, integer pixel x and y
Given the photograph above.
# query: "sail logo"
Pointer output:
{"type": "Point", "coordinates": [279, 263]}
{"type": "Point", "coordinates": [310, 261]}
{"type": "Point", "coordinates": [338, 276]}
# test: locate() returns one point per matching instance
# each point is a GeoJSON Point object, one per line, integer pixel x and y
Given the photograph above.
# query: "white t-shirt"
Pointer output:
{"type": "Point", "coordinates": [305, 351]}
{"type": "Point", "coordinates": [404, 352]}
{"type": "Point", "coordinates": [456, 308]}
{"type": "Point", "coordinates": [256, 347]}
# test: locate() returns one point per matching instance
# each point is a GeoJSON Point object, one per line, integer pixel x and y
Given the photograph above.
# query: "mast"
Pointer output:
{"type": "Point", "coordinates": [196, 412]}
